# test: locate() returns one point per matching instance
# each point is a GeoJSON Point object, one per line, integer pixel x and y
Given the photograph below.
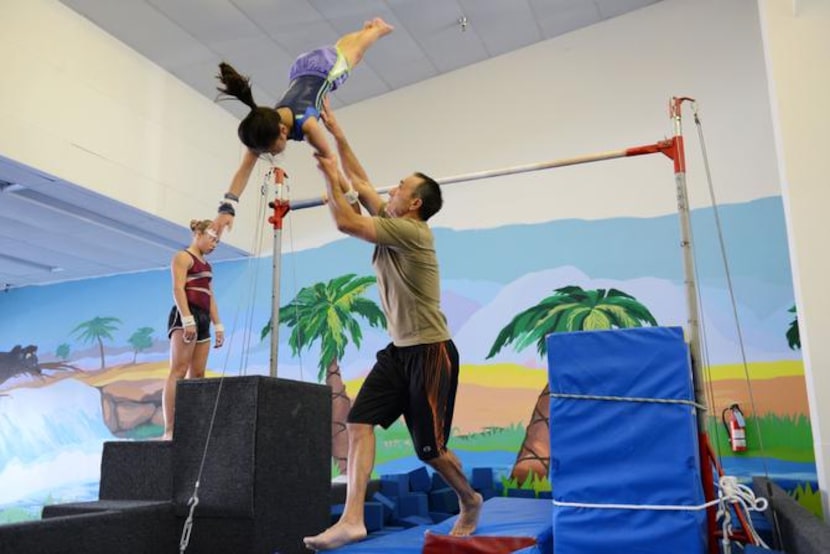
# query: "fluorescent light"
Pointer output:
{"type": "Point", "coordinates": [29, 263]}
{"type": "Point", "coordinates": [11, 187]}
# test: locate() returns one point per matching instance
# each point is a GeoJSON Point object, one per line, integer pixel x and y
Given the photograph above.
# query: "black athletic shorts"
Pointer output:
{"type": "Point", "coordinates": [397, 385]}
{"type": "Point", "coordinates": [202, 317]}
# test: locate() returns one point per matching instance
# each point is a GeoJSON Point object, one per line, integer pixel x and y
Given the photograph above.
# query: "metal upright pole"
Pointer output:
{"type": "Point", "coordinates": [693, 321]}
{"type": "Point", "coordinates": [281, 208]}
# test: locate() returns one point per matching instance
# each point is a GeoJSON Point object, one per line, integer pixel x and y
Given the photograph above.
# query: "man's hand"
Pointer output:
{"type": "Point", "coordinates": [222, 221]}
{"type": "Point", "coordinates": [327, 115]}
{"type": "Point", "coordinates": [328, 165]}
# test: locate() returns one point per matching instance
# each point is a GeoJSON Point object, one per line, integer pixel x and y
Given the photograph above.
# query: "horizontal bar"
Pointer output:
{"type": "Point", "coordinates": [656, 148]}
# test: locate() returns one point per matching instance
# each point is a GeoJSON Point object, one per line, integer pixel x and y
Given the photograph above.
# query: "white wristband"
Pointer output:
{"type": "Point", "coordinates": [218, 327]}
{"type": "Point", "coordinates": [188, 321]}
{"type": "Point", "coordinates": [351, 196]}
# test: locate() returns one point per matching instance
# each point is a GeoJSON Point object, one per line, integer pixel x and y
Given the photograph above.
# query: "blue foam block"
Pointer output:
{"type": "Point", "coordinates": [394, 484]}
{"type": "Point", "coordinates": [373, 516]}
{"type": "Point", "coordinates": [482, 478]}
{"type": "Point", "coordinates": [413, 504]}
{"type": "Point", "coordinates": [336, 512]}
{"type": "Point", "coordinates": [545, 494]}
{"type": "Point", "coordinates": [443, 500]}
{"type": "Point", "coordinates": [521, 493]}
{"type": "Point", "coordinates": [438, 517]}
{"type": "Point", "coordinates": [390, 507]}
{"type": "Point", "coordinates": [414, 521]}
{"type": "Point", "coordinates": [387, 530]}
{"type": "Point", "coordinates": [487, 494]}
{"type": "Point", "coordinates": [419, 480]}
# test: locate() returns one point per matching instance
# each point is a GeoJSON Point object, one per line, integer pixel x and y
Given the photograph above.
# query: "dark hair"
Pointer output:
{"type": "Point", "coordinates": [429, 191]}
{"type": "Point", "coordinates": [261, 127]}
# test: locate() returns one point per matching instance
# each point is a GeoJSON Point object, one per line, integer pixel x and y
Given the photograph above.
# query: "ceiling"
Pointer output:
{"type": "Point", "coordinates": [51, 230]}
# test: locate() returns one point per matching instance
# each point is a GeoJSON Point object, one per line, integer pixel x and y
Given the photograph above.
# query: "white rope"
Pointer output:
{"type": "Point", "coordinates": [729, 492]}
{"type": "Point", "coordinates": [742, 498]}
{"type": "Point", "coordinates": [681, 401]}
{"type": "Point", "coordinates": [184, 541]}
{"type": "Point", "coordinates": [656, 507]}
{"type": "Point", "coordinates": [187, 528]}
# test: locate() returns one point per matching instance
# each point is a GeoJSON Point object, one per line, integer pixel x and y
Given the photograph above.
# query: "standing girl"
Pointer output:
{"type": "Point", "coordinates": [189, 323]}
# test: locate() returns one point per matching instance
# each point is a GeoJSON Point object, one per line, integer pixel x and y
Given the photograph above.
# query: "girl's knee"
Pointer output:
{"type": "Point", "coordinates": [178, 371]}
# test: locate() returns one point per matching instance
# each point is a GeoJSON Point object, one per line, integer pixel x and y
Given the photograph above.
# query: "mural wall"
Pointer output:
{"type": "Point", "coordinates": [85, 361]}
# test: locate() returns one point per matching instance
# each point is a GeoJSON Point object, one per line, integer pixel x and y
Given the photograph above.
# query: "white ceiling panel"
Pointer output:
{"type": "Point", "coordinates": [492, 21]}
{"type": "Point", "coordinates": [208, 20]}
{"type": "Point", "coordinates": [557, 17]}
{"type": "Point", "coordinates": [424, 15]}
{"type": "Point", "coordinates": [363, 83]}
{"type": "Point", "coordinates": [613, 8]}
{"type": "Point", "coordinates": [142, 27]}
{"type": "Point", "coordinates": [350, 16]}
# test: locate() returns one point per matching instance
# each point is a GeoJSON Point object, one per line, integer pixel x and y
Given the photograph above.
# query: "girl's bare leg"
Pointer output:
{"type": "Point", "coordinates": [181, 355]}
{"type": "Point", "coordinates": [354, 45]}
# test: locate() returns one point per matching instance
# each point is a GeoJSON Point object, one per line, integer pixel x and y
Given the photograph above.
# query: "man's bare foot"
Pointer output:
{"type": "Point", "coordinates": [467, 520]}
{"type": "Point", "coordinates": [168, 436]}
{"type": "Point", "coordinates": [335, 536]}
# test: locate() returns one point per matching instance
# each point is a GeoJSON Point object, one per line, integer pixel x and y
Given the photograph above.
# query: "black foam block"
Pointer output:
{"type": "Point", "coordinates": [98, 506]}
{"type": "Point", "coordinates": [136, 470]}
{"type": "Point", "coordinates": [797, 531]}
{"type": "Point", "coordinates": [135, 530]}
{"type": "Point", "coordinates": [266, 481]}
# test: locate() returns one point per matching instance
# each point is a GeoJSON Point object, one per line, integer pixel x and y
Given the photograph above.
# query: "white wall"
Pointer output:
{"type": "Point", "coordinates": [798, 49]}
{"type": "Point", "coordinates": [77, 104]}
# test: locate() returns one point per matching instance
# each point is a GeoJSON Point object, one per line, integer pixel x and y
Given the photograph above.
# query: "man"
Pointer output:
{"type": "Point", "coordinates": [417, 374]}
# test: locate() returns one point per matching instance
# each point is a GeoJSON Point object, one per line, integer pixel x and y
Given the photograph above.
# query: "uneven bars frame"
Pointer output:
{"type": "Point", "coordinates": [674, 149]}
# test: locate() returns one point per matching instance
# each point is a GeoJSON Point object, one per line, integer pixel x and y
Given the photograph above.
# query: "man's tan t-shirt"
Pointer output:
{"type": "Point", "coordinates": [408, 281]}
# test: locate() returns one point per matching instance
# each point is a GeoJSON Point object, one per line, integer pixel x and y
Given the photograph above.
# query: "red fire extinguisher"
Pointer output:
{"type": "Point", "coordinates": [733, 420]}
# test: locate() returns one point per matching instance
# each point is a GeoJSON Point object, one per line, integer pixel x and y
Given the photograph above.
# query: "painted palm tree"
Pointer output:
{"type": "Point", "coordinates": [96, 330]}
{"type": "Point", "coordinates": [141, 340]}
{"type": "Point", "coordinates": [568, 309]}
{"type": "Point", "coordinates": [62, 351]}
{"type": "Point", "coordinates": [793, 335]}
{"type": "Point", "coordinates": [327, 312]}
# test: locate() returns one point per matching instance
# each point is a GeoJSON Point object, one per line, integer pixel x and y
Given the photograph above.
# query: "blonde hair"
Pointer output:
{"type": "Point", "coordinates": [199, 226]}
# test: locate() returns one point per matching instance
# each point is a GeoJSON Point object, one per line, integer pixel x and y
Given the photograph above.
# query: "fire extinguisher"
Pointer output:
{"type": "Point", "coordinates": [733, 420]}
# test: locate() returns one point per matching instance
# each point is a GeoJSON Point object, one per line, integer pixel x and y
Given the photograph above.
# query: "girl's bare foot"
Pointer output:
{"type": "Point", "coordinates": [382, 26]}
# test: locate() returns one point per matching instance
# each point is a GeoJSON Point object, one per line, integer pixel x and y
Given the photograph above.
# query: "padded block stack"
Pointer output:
{"type": "Point", "coordinates": [266, 482]}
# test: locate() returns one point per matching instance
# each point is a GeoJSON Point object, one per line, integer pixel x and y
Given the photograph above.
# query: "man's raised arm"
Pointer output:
{"type": "Point", "coordinates": [352, 167]}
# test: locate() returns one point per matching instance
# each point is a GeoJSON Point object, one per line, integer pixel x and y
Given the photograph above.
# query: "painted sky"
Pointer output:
{"type": "Point", "coordinates": [488, 276]}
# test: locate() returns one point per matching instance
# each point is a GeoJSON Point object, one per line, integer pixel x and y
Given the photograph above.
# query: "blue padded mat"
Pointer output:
{"type": "Point", "coordinates": [500, 517]}
{"type": "Point", "coordinates": [624, 452]}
